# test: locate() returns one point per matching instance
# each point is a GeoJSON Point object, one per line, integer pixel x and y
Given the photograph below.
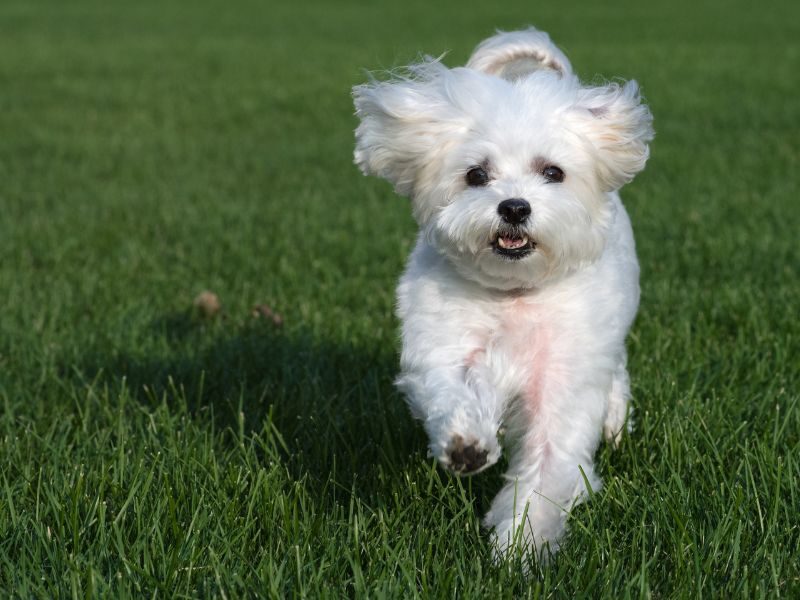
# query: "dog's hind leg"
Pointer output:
{"type": "Point", "coordinates": [618, 413]}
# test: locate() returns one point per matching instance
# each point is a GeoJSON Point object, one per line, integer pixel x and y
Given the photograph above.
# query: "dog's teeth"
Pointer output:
{"type": "Point", "coordinates": [512, 243]}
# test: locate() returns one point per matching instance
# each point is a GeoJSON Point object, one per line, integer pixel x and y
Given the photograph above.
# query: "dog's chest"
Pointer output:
{"type": "Point", "coordinates": [521, 337]}
{"type": "Point", "coordinates": [522, 351]}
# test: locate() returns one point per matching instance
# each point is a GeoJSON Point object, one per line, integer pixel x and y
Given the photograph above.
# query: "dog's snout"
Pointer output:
{"type": "Point", "coordinates": [514, 210]}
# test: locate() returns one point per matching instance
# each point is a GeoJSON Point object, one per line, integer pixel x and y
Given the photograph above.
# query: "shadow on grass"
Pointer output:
{"type": "Point", "coordinates": [333, 403]}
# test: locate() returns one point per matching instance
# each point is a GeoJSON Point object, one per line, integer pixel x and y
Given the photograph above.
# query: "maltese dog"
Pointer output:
{"type": "Point", "coordinates": [524, 281]}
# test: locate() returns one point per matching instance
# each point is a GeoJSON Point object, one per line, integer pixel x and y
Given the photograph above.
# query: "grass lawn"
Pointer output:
{"type": "Point", "coordinates": [151, 150]}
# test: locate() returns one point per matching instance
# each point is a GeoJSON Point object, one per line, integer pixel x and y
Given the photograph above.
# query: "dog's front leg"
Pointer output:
{"type": "Point", "coordinates": [446, 325]}
{"type": "Point", "coordinates": [551, 467]}
{"type": "Point", "coordinates": [461, 412]}
{"type": "Point", "coordinates": [457, 402]}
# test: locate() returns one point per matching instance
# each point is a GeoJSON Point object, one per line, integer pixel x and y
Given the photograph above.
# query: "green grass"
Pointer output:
{"type": "Point", "coordinates": [152, 150]}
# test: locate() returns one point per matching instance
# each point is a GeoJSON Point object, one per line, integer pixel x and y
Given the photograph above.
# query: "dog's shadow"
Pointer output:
{"type": "Point", "coordinates": [333, 404]}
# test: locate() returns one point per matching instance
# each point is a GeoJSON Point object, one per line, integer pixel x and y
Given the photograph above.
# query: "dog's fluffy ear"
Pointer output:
{"type": "Point", "coordinates": [405, 122]}
{"type": "Point", "coordinates": [619, 127]}
{"type": "Point", "coordinates": [514, 54]}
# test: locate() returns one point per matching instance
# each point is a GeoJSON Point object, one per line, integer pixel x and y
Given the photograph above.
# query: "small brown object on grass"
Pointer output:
{"type": "Point", "coordinates": [207, 304]}
{"type": "Point", "coordinates": [263, 311]}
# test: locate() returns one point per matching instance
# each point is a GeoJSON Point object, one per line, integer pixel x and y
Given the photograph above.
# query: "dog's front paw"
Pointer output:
{"type": "Point", "coordinates": [463, 443]}
{"type": "Point", "coordinates": [466, 457]}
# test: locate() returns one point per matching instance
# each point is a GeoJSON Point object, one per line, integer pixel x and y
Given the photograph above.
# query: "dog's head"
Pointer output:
{"type": "Point", "coordinates": [508, 161]}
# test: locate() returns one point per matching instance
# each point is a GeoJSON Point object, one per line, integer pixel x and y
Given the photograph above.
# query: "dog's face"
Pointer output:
{"type": "Point", "coordinates": [509, 177]}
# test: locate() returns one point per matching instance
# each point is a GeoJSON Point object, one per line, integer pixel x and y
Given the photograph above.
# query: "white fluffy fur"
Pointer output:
{"type": "Point", "coordinates": [533, 346]}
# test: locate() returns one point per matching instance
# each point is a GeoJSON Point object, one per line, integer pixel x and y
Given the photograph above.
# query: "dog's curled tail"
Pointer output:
{"type": "Point", "coordinates": [514, 54]}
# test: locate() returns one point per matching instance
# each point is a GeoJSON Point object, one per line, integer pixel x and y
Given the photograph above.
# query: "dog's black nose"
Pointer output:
{"type": "Point", "coordinates": [514, 210]}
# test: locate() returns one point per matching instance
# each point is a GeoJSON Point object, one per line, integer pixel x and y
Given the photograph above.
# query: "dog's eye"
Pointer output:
{"type": "Point", "coordinates": [477, 177]}
{"type": "Point", "coordinates": [553, 174]}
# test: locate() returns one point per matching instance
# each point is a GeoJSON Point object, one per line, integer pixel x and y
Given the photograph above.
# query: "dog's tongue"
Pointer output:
{"type": "Point", "coordinates": [510, 243]}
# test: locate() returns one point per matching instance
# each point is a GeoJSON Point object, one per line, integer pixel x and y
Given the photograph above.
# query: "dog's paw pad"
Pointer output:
{"type": "Point", "coordinates": [466, 457]}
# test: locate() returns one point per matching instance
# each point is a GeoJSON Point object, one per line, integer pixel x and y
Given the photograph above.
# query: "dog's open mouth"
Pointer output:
{"type": "Point", "coordinates": [512, 244]}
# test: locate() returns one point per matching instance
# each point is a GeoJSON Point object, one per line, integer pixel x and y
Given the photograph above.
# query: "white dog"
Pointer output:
{"type": "Point", "coordinates": [524, 281]}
